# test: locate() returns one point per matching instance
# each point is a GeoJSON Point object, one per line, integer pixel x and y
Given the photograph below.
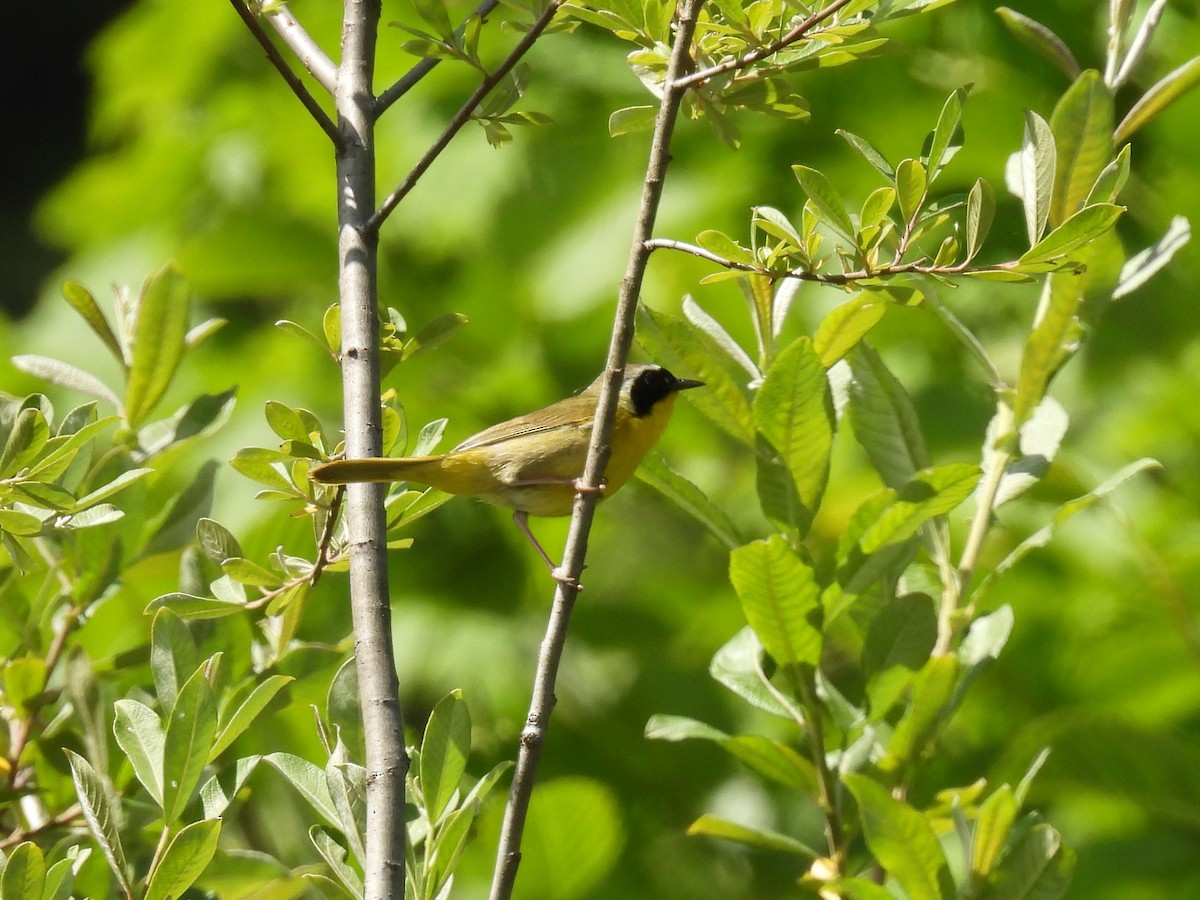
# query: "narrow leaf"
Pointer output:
{"type": "Point", "coordinates": [911, 184]}
{"type": "Point", "coordinates": [655, 472]}
{"type": "Point", "coordinates": [85, 304]}
{"type": "Point", "coordinates": [99, 815]}
{"type": "Point", "coordinates": [139, 734]}
{"type": "Point", "coordinates": [248, 710]}
{"type": "Point", "coordinates": [794, 412]}
{"type": "Point", "coordinates": [66, 375]}
{"type": "Point", "coordinates": [1081, 228]}
{"type": "Point", "coordinates": [186, 857]}
{"type": "Point", "coordinates": [992, 829]}
{"type": "Point", "coordinates": [901, 840]}
{"type": "Point", "coordinates": [1038, 165]}
{"type": "Point", "coordinates": [949, 124]}
{"type": "Point", "coordinates": [157, 343]}
{"type": "Point", "coordinates": [1041, 40]}
{"type": "Point", "coordinates": [981, 207]}
{"type": "Point", "coordinates": [780, 598]}
{"type": "Point", "coordinates": [444, 752]}
{"type": "Point", "coordinates": [845, 325]}
{"type": "Point", "coordinates": [760, 838]}
{"type": "Point", "coordinates": [824, 195]}
{"type": "Point", "coordinates": [869, 153]}
{"type": "Point", "coordinates": [884, 418]}
{"type": "Point", "coordinates": [1142, 266]}
{"type": "Point", "coordinates": [189, 740]}
{"type": "Point", "coordinates": [309, 780]}
{"type": "Point", "coordinates": [1082, 126]}
{"type": "Point", "coordinates": [1161, 95]}
{"type": "Point", "coordinates": [1039, 868]}
{"type": "Point", "coordinates": [24, 873]}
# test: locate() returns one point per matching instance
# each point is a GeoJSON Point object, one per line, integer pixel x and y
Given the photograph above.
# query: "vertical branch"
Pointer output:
{"type": "Point", "coordinates": [386, 762]}
{"type": "Point", "coordinates": [533, 737]}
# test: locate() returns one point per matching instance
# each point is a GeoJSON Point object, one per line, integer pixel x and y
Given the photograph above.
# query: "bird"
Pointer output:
{"type": "Point", "coordinates": [533, 463]}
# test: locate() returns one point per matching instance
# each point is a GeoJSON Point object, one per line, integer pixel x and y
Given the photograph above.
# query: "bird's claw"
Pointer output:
{"type": "Point", "coordinates": [581, 488]}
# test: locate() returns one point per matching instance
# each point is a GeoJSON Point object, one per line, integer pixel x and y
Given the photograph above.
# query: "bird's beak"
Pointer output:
{"type": "Point", "coordinates": [683, 384]}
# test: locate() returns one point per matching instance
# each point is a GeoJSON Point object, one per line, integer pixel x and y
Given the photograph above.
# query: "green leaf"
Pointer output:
{"type": "Point", "coordinates": [898, 643]}
{"type": "Point", "coordinates": [992, 828]}
{"type": "Point", "coordinates": [139, 734]}
{"type": "Point", "coordinates": [1082, 126]}
{"type": "Point", "coordinates": [759, 753]}
{"type": "Point", "coordinates": [309, 780]}
{"type": "Point", "coordinates": [186, 857]}
{"type": "Point", "coordinates": [884, 418]}
{"type": "Point", "coordinates": [845, 325]}
{"type": "Point", "coordinates": [216, 541]}
{"type": "Point", "coordinates": [1082, 228]}
{"type": "Point", "coordinates": [931, 492]}
{"type": "Point", "coordinates": [901, 840]}
{"type": "Point", "coordinates": [1038, 868]}
{"type": "Point", "coordinates": [1142, 266]}
{"type": "Point", "coordinates": [759, 838]}
{"type": "Point", "coordinates": [93, 798]}
{"type": "Point", "coordinates": [191, 607]}
{"type": "Point", "coordinates": [655, 472]}
{"type": "Point", "coordinates": [949, 125]}
{"type": "Point", "coordinates": [342, 708]}
{"type": "Point", "coordinates": [347, 783]}
{"type": "Point", "coordinates": [718, 335]}
{"type": "Point", "coordinates": [828, 201]}
{"type": "Point", "coordinates": [157, 343]}
{"type": "Point", "coordinates": [932, 691]}
{"type": "Point", "coordinates": [188, 743]}
{"type": "Point", "coordinates": [285, 422]}
{"type": "Point", "coordinates": [721, 244]}
{"type": "Point", "coordinates": [262, 466]}
{"type": "Point", "coordinates": [1041, 40]}
{"type": "Point", "coordinates": [793, 410]}
{"type": "Point", "coordinates": [248, 710]}
{"type": "Point", "coordinates": [24, 682]}
{"type": "Point", "coordinates": [1038, 164]}
{"type": "Point", "coordinates": [1160, 95]}
{"type": "Point", "coordinates": [85, 304]}
{"type": "Point", "coordinates": [220, 790]}
{"type": "Point", "coordinates": [28, 436]}
{"type": "Point", "coordinates": [434, 13]}
{"type": "Point", "coordinates": [631, 120]}
{"type": "Point", "coordinates": [780, 599]}
{"type": "Point", "coordinates": [986, 637]}
{"type": "Point", "coordinates": [724, 399]}
{"type": "Point", "coordinates": [1111, 180]}
{"type": "Point", "coordinates": [444, 752]}
{"type": "Point", "coordinates": [434, 334]}
{"type": "Point", "coordinates": [869, 153]}
{"type": "Point", "coordinates": [24, 874]}
{"type": "Point", "coordinates": [573, 836]}
{"type": "Point", "coordinates": [911, 184]}
{"type": "Point", "coordinates": [981, 206]}
{"type": "Point", "coordinates": [19, 523]}
{"type": "Point", "coordinates": [119, 483]}
{"type": "Point", "coordinates": [335, 857]}
{"type": "Point", "coordinates": [738, 666]}
{"type": "Point", "coordinates": [1055, 338]}
{"type": "Point", "coordinates": [251, 573]}
{"type": "Point", "coordinates": [66, 375]}
{"type": "Point", "coordinates": [199, 418]}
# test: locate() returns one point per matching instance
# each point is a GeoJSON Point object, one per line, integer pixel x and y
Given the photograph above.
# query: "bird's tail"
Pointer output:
{"type": "Point", "coordinates": [378, 470]}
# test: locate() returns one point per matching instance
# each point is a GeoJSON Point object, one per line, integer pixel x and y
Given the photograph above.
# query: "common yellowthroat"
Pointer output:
{"type": "Point", "coordinates": [533, 463]}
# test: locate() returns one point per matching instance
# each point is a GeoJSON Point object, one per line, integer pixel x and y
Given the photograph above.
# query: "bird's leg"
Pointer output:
{"type": "Point", "coordinates": [522, 520]}
{"type": "Point", "coordinates": [576, 483]}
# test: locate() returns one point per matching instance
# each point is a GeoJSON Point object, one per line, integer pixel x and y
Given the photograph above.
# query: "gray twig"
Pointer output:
{"type": "Point", "coordinates": [508, 856]}
{"type": "Point", "coordinates": [292, 79]}
{"type": "Point", "coordinates": [463, 116]}
{"type": "Point", "coordinates": [310, 54]}
{"type": "Point", "coordinates": [383, 731]}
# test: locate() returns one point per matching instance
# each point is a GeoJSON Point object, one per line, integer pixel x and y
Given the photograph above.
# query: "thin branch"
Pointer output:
{"type": "Point", "coordinates": [826, 783]}
{"type": "Point", "coordinates": [915, 267]}
{"type": "Point", "coordinates": [533, 737]}
{"type": "Point", "coordinates": [753, 56]}
{"type": "Point", "coordinates": [308, 51]}
{"type": "Point", "coordinates": [358, 264]}
{"type": "Point", "coordinates": [462, 117]}
{"type": "Point", "coordinates": [955, 582]}
{"type": "Point", "coordinates": [410, 79]}
{"type": "Point", "coordinates": [292, 79]}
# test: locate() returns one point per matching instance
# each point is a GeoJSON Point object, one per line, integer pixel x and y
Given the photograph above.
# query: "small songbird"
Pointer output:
{"type": "Point", "coordinates": [533, 463]}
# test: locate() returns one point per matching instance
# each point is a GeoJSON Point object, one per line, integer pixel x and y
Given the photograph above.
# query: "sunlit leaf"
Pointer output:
{"type": "Point", "coordinates": [157, 342]}
{"type": "Point", "coordinates": [1082, 126]}
{"type": "Point", "coordinates": [1142, 266]}
{"type": "Point", "coordinates": [780, 598]}
{"type": "Point", "coordinates": [760, 838]}
{"type": "Point", "coordinates": [1040, 39]}
{"type": "Point", "coordinates": [186, 857]}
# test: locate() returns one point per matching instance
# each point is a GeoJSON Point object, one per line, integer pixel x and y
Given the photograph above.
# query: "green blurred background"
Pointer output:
{"type": "Point", "coordinates": [192, 149]}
